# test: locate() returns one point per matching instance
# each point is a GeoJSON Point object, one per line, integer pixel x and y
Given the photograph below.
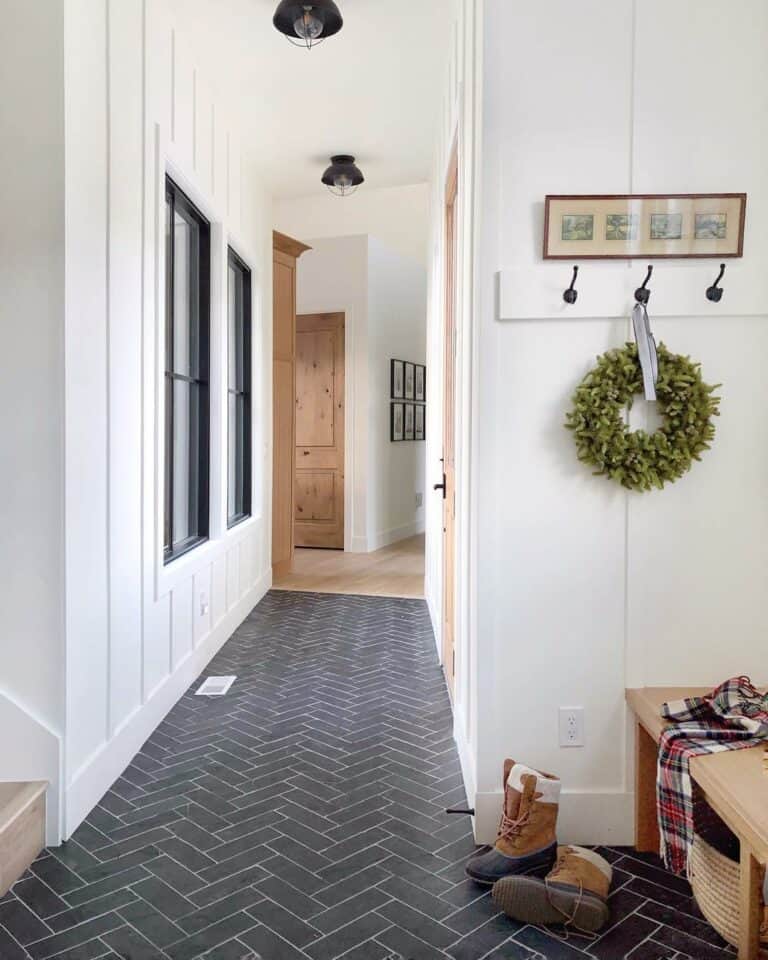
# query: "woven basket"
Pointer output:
{"type": "Point", "coordinates": [715, 881]}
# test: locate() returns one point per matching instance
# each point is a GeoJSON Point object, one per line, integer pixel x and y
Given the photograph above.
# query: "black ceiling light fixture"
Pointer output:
{"type": "Point", "coordinates": [343, 177]}
{"type": "Point", "coordinates": [307, 24]}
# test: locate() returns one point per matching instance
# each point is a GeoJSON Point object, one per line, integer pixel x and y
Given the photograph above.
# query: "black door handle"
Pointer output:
{"type": "Point", "coordinates": [440, 486]}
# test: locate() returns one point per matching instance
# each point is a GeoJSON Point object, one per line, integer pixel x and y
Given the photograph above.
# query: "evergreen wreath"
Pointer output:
{"type": "Point", "coordinates": [634, 458]}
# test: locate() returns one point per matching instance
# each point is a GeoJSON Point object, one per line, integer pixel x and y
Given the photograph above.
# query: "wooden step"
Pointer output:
{"type": "Point", "coordinates": [22, 828]}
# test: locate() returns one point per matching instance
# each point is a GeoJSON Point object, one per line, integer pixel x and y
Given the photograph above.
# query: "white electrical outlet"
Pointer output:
{"type": "Point", "coordinates": [571, 726]}
{"type": "Point", "coordinates": [419, 500]}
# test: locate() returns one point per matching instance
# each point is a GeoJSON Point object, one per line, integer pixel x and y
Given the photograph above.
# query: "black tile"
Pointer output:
{"type": "Point", "coordinates": [268, 945]}
{"type": "Point", "coordinates": [164, 898]}
{"type": "Point", "coordinates": [350, 909]}
{"type": "Point", "coordinates": [211, 936]}
{"type": "Point", "coordinates": [151, 924]}
{"type": "Point", "coordinates": [128, 944]}
{"type": "Point", "coordinates": [623, 937]}
{"type": "Point", "coordinates": [39, 897]}
{"type": "Point", "coordinates": [420, 925]}
{"type": "Point", "coordinates": [404, 944]}
{"type": "Point", "coordinates": [344, 938]}
{"type": "Point", "coordinates": [241, 899]}
{"type": "Point", "coordinates": [82, 933]}
{"type": "Point", "coordinates": [21, 923]}
{"type": "Point", "coordinates": [10, 949]}
{"type": "Point", "coordinates": [284, 923]}
{"type": "Point", "coordinates": [91, 909]}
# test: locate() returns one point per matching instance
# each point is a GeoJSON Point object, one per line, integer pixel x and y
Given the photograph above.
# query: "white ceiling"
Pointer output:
{"type": "Point", "coordinates": [373, 90]}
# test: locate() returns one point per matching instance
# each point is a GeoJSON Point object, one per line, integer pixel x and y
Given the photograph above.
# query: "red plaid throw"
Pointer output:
{"type": "Point", "coordinates": [731, 717]}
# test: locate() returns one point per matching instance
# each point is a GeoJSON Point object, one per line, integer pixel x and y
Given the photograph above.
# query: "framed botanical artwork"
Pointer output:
{"type": "Point", "coordinates": [396, 422]}
{"type": "Point", "coordinates": [646, 226]}
{"type": "Point", "coordinates": [410, 417]}
{"type": "Point", "coordinates": [397, 379]}
{"type": "Point", "coordinates": [421, 383]}
{"type": "Point", "coordinates": [419, 423]}
{"type": "Point", "coordinates": [410, 381]}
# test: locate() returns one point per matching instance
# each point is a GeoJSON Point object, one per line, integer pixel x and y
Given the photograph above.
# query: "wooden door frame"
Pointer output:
{"type": "Point", "coordinates": [337, 319]}
{"type": "Point", "coordinates": [449, 591]}
{"type": "Point", "coordinates": [286, 251]}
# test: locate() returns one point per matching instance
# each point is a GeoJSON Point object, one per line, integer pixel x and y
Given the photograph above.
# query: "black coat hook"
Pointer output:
{"type": "Point", "coordinates": [715, 293]}
{"type": "Point", "coordinates": [642, 294]}
{"type": "Point", "coordinates": [571, 293]}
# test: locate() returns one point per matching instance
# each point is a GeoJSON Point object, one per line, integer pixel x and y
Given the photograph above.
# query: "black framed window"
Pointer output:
{"type": "Point", "coordinates": [187, 370]}
{"type": "Point", "coordinates": [238, 390]}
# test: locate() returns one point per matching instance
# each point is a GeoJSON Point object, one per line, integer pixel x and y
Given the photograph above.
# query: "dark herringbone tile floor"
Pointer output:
{"type": "Point", "coordinates": [302, 817]}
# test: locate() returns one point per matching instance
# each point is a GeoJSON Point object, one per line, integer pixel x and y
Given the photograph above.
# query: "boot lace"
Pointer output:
{"type": "Point", "coordinates": [569, 920]}
{"type": "Point", "coordinates": [510, 829]}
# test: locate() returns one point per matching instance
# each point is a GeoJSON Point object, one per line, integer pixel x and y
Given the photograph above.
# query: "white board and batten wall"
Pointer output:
{"type": "Point", "coordinates": [584, 588]}
{"type": "Point", "coordinates": [140, 102]}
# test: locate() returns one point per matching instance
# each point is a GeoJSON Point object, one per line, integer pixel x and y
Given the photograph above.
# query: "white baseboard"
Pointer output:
{"type": "Point", "coordinates": [584, 818]}
{"type": "Point", "coordinates": [96, 776]}
{"type": "Point", "coordinates": [384, 538]}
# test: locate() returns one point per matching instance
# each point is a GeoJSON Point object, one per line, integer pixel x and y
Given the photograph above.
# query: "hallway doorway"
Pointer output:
{"type": "Point", "coordinates": [393, 571]}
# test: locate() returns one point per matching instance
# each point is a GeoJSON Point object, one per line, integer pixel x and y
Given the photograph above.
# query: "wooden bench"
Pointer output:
{"type": "Point", "coordinates": [733, 784]}
{"type": "Point", "coordinates": [22, 828]}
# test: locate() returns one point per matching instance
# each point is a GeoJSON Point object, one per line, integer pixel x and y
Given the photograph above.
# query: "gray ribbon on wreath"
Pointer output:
{"type": "Point", "coordinates": [646, 350]}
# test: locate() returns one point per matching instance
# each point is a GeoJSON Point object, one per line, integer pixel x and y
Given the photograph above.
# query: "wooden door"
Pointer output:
{"type": "Point", "coordinates": [319, 517]}
{"type": "Point", "coordinates": [449, 426]}
{"type": "Point", "coordinates": [286, 252]}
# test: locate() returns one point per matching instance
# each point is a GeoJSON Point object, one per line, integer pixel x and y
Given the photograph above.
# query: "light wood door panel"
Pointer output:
{"type": "Point", "coordinates": [449, 429]}
{"type": "Point", "coordinates": [319, 506]}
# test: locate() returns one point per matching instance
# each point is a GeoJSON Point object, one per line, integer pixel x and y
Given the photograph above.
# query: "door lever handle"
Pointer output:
{"type": "Point", "coordinates": [440, 486]}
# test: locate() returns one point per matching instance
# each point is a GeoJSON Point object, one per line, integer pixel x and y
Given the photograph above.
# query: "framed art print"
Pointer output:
{"type": "Point", "coordinates": [397, 379]}
{"type": "Point", "coordinates": [410, 381]}
{"type": "Point", "coordinates": [421, 383]}
{"type": "Point", "coordinates": [418, 428]}
{"type": "Point", "coordinates": [626, 226]}
{"type": "Point", "coordinates": [396, 421]}
{"type": "Point", "coordinates": [410, 410]}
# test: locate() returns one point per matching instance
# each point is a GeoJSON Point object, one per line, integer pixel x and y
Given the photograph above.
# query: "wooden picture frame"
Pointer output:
{"type": "Point", "coordinates": [396, 379]}
{"type": "Point", "coordinates": [396, 422]}
{"type": "Point", "coordinates": [420, 423]}
{"type": "Point", "coordinates": [410, 381]}
{"type": "Point", "coordinates": [420, 388]}
{"type": "Point", "coordinates": [409, 421]}
{"type": "Point", "coordinates": [647, 226]}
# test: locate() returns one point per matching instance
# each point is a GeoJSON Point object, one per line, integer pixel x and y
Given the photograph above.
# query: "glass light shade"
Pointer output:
{"type": "Point", "coordinates": [308, 27]}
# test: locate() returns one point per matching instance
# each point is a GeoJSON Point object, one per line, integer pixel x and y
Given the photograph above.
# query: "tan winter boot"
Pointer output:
{"type": "Point", "coordinates": [574, 893]}
{"type": "Point", "coordinates": [527, 841]}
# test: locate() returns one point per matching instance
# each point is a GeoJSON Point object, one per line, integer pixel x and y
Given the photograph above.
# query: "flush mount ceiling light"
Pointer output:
{"type": "Point", "coordinates": [342, 177]}
{"type": "Point", "coordinates": [307, 24]}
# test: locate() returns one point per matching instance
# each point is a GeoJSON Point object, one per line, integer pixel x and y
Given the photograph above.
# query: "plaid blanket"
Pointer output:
{"type": "Point", "coordinates": [731, 717]}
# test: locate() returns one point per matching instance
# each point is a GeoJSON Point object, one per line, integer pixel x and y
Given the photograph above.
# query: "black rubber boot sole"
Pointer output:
{"type": "Point", "coordinates": [531, 901]}
{"type": "Point", "coordinates": [495, 867]}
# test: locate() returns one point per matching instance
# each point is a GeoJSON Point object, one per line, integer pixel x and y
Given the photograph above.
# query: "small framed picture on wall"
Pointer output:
{"type": "Point", "coordinates": [421, 383]}
{"type": "Point", "coordinates": [410, 381]}
{"type": "Point", "coordinates": [418, 429]}
{"type": "Point", "coordinates": [397, 379]}
{"type": "Point", "coordinates": [410, 417]}
{"type": "Point", "coordinates": [396, 422]}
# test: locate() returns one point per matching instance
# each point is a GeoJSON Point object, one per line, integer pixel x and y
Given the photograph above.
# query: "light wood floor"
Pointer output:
{"type": "Point", "coordinates": [394, 571]}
